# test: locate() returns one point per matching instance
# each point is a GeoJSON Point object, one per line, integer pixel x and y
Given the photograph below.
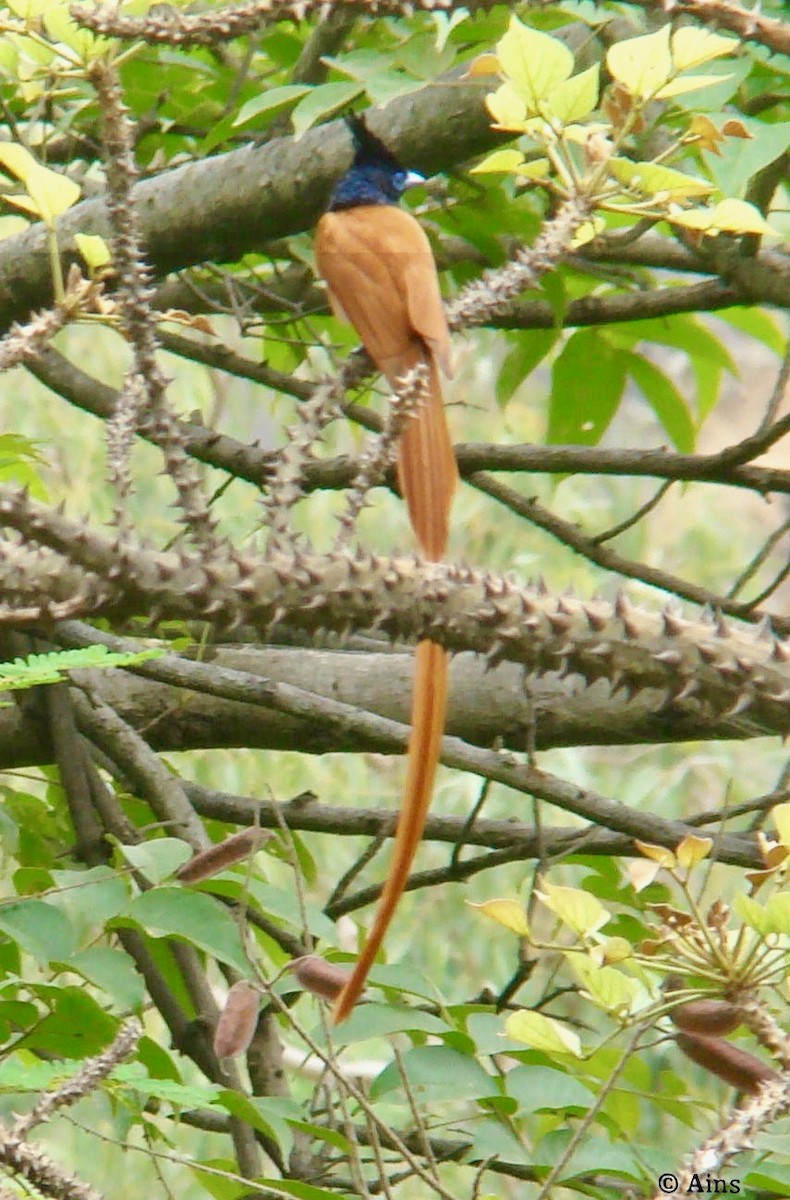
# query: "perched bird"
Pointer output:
{"type": "Point", "coordinates": [381, 275]}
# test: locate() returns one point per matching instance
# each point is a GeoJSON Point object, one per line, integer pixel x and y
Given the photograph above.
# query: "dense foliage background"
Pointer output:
{"type": "Point", "coordinates": [206, 607]}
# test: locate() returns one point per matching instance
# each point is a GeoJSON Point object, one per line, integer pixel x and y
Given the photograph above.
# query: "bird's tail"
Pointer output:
{"type": "Point", "coordinates": [427, 471]}
{"type": "Point", "coordinates": [428, 475]}
{"type": "Point", "coordinates": [429, 705]}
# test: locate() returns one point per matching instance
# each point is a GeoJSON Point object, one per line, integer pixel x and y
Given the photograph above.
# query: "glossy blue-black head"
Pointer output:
{"type": "Point", "coordinates": [375, 176]}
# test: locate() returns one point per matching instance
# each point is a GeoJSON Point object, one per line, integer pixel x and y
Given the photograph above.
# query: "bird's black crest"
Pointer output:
{"type": "Point", "coordinates": [367, 147]}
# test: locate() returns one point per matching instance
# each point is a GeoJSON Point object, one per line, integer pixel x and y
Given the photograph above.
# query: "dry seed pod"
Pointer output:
{"type": "Point", "coordinates": [708, 1017]}
{"type": "Point", "coordinates": [735, 1066]}
{"type": "Point", "coordinates": [324, 979]}
{"type": "Point", "coordinates": [237, 1021]}
{"type": "Point", "coordinates": [224, 854]}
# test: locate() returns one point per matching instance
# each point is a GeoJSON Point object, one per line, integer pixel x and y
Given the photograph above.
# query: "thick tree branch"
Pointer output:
{"type": "Point", "coordinates": [221, 208]}
{"type": "Point", "coordinates": [248, 462]}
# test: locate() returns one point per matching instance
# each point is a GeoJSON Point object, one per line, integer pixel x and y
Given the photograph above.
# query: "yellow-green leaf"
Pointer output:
{"type": "Point", "coordinates": [93, 249]}
{"type": "Point", "coordinates": [658, 854]}
{"type": "Point", "coordinates": [52, 193]}
{"type": "Point", "coordinates": [752, 913]}
{"type": "Point", "coordinates": [777, 912]}
{"type": "Point", "coordinates": [642, 64]}
{"type": "Point", "coordinates": [543, 1033]}
{"type": "Point", "coordinates": [654, 180]}
{"type": "Point", "coordinates": [692, 46]}
{"type": "Point", "coordinates": [693, 850]}
{"type": "Point", "coordinates": [580, 910]}
{"type": "Point", "coordinates": [606, 987]}
{"type": "Point", "coordinates": [688, 83]}
{"type": "Point", "coordinates": [23, 202]}
{"type": "Point", "coordinates": [484, 64]}
{"type": "Point", "coordinates": [537, 168]}
{"type": "Point", "coordinates": [500, 162]}
{"type": "Point", "coordinates": [507, 108]}
{"type": "Point", "coordinates": [781, 819]}
{"type": "Point", "coordinates": [617, 949]}
{"type": "Point", "coordinates": [576, 97]}
{"type": "Point", "coordinates": [535, 63]}
{"type": "Point", "coordinates": [509, 913]}
{"type": "Point", "coordinates": [729, 216]}
{"type": "Point", "coordinates": [16, 160]}
{"type": "Point", "coordinates": [587, 231]}
{"type": "Point", "coordinates": [9, 226]}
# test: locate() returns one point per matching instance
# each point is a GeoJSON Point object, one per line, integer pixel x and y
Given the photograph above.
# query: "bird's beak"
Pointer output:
{"type": "Point", "coordinates": [413, 178]}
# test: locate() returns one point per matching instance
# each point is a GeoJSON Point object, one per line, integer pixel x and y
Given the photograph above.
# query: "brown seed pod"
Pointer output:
{"type": "Point", "coordinates": [708, 1017]}
{"type": "Point", "coordinates": [324, 979]}
{"type": "Point", "coordinates": [237, 1021]}
{"type": "Point", "coordinates": [224, 854]}
{"type": "Point", "coordinates": [735, 1066]}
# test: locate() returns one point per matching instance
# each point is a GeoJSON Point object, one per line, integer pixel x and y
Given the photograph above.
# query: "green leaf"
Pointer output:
{"type": "Point", "coordinates": [75, 1028]}
{"type": "Point", "coordinates": [113, 972]}
{"type": "Point", "coordinates": [89, 898]}
{"type": "Point", "coordinates": [534, 63]}
{"type": "Point", "coordinates": [529, 349]}
{"type": "Point", "coordinates": [437, 1073]}
{"type": "Point", "coordinates": [39, 669]}
{"type": "Point", "coordinates": [537, 1088]}
{"type": "Point", "coordinates": [321, 102]}
{"type": "Point", "coordinates": [379, 1020]}
{"type": "Point", "coordinates": [592, 1154]}
{"type": "Point", "coordinates": [654, 180]}
{"type": "Point", "coordinates": [642, 64]}
{"type": "Point", "coordinates": [742, 157]}
{"type": "Point", "coordinates": [665, 399]}
{"type": "Point", "coordinates": [383, 84]}
{"type": "Point", "coordinates": [543, 1033]}
{"type": "Point", "coordinates": [157, 1062]}
{"type": "Point", "coordinates": [707, 354]}
{"type": "Point", "coordinates": [271, 101]}
{"type": "Point", "coordinates": [587, 383]}
{"type": "Point", "coordinates": [40, 929]}
{"type": "Point", "coordinates": [179, 1095]}
{"type": "Point", "coordinates": [264, 1114]}
{"type": "Point", "coordinates": [757, 323]}
{"type": "Point", "coordinates": [494, 1141]}
{"type": "Point", "coordinates": [302, 1191]}
{"type": "Point", "coordinates": [158, 859]}
{"type": "Point", "coordinates": [192, 916]}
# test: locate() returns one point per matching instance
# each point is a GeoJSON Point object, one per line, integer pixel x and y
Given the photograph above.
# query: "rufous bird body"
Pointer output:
{"type": "Point", "coordinates": [381, 275]}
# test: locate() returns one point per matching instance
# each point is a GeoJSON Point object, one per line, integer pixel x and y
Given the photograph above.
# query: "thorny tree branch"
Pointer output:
{"type": "Point", "coordinates": [727, 668]}
{"type": "Point", "coordinates": [146, 385]}
{"type": "Point", "coordinates": [757, 1113]}
{"type": "Point", "coordinates": [37, 1168]}
{"type": "Point", "coordinates": [174, 28]}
